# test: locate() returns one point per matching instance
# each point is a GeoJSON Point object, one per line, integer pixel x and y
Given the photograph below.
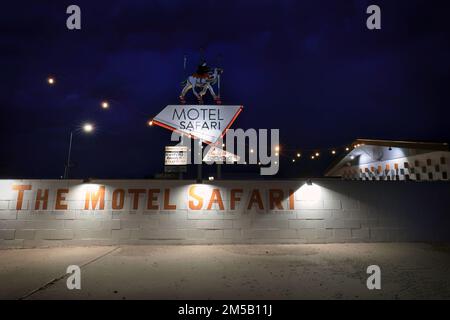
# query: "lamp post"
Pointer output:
{"type": "Point", "coordinates": [87, 127]}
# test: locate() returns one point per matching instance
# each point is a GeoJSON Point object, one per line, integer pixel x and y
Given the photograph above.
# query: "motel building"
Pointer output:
{"type": "Point", "coordinates": [383, 160]}
{"type": "Point", "coordinates": [380, 191]}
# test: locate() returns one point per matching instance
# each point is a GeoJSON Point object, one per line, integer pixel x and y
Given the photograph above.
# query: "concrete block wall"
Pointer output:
{"type": "Point", "coordinates": [220, 212]}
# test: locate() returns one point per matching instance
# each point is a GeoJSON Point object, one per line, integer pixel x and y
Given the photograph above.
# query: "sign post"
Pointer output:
{"type": "Point", "coordinates": [200, 167]}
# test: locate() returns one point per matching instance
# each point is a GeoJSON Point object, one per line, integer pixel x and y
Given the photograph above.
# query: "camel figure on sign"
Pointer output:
{"type": "Point", "coordinates": [204, 82]}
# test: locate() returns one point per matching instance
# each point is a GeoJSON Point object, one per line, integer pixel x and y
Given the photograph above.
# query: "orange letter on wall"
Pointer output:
{"type": "Point", "coordinates": [135, 193]}
{"type": "Point", "coordinates": [21, 188]}
{"type": "Point", "coordinates": [233, 198]}
{"type": "Point", "coordinates": [60, 197]}
{"type": "Point", "coordinates": [39, 198]}
{"type": "Point", "coordinates": [255, 197]}
{"type": "Point", "coordinates": [167, 205]}
{"type": "Point", "coordinates": [291, 199]}
{"type": "Point", "coordinates": [95, 198]}
{"type": "Point", "coordinates": [215, 198]}
{"type": "Point", "coordinates": [199, 199]}
{"type": "Point", "coordinates": [152, 198]}
{"type": "Point", "coordinates": [118, 194]}
{"type": "Point", "coordinates": [275, 198]}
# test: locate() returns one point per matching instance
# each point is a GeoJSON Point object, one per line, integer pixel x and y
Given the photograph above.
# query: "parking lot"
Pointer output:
{"type": "Point", "coordinates": [314, 271]}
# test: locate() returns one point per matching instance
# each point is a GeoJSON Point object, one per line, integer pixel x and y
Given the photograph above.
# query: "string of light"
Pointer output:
{"type": "Point", "coordinates": [295, 154]}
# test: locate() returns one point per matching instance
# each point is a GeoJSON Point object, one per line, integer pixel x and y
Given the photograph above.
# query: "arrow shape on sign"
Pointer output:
{"type": "Point", "coordinates": [205, 122]}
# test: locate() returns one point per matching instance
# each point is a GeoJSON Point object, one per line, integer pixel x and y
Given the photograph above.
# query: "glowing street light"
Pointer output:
{"type": "Point", "coordinates": [298, 155]}
{"type": "Point", "coordinates": [317, 154]}
{"type": "Point", "coordinates": [150, 123]}
{"type": "Point", "coordinates": [87, 127]}
{"type": "Point", "coordinates": [333, 152]}
{"type": "Point", "coordinates": [51, 80]}
{"type": "Point", "coordinates": [105, 104]}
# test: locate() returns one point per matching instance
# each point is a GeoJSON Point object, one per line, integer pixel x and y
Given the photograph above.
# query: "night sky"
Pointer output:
{"type": "Point", "coordinates": [310, 68]}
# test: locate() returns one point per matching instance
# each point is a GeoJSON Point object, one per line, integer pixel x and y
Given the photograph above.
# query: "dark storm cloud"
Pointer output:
{"type": "Point", "coordinates": [310, 68]}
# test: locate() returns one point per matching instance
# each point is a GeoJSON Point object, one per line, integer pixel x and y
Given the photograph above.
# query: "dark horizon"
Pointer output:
{"type": "Point", "coordinates": [311, 69]}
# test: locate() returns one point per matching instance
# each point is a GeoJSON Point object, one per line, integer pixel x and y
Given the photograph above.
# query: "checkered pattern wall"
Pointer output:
{"type": "Point", "coordinates": [426, 167]}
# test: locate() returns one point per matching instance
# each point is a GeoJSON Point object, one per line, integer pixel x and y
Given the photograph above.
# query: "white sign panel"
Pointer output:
{"type": "Point", "coordinates": [176, 156]}
{"type": "Point", "coordinates": [219, 155]}
{"type": "Point", "coordinates": [206, 122]}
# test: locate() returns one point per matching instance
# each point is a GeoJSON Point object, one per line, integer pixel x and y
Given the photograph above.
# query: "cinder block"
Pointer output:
{"type": "Point", "coordinates": [82, 224]}
{"type": "Point", "coordinates": [7, 234]}
{"type": "Point", "coordinates": [177, 223]}
{"type": "Point", "coordinates": [162, 234]}
{"type": "Point", "coordinates": [10, 244]}
{"type": "Point", "coordinates": [214, 234]}
{"type": "Point", "coordinates": [205, 215]}
{"type": "Point", "coordinates": [44, 224]}
{"type": "Point", "coordinates": [12, 224]}
{"type": "Point", "coordinates": [8, 215]}
{"type": "Point", "coordinates": [25, 234]}
{"type": "Point", "coordinates": [112, 224]}
{"type": "Point", "coordinates": [134, 224]}
{"type": "Point", "coordinates": [324, 234]}
{"type": "Point", "coordinates": [342, 234]}
{"type": "Point", "coordinates": [288, 234]}
{"type": "Point", "coordinates": [214, 224]}
{"type": "Point", "coordinates": [306, 224]}
{"type": "Point", "coordinates": [381, 234]}
{"type": "Point", "coordinates": [262, 233]}
{"type": "Point", "coordinates": [342, 224]}
{"type": "Point", "coordinates": [4, 204]}
{"type": "Point", "coordinates": [92, 234]}
{"type": "Point", "coordinates": [342, 215]}
{"type": "Point", "coordinates": [350, 204]}
{"type": "Point", "coordinates": [62, 234]}
{"type": "Point", "coordinates": [147, 224]}
{"type": "Point", "coordinates": [313, 214]}
{"type": "Point", "coordinates": [243, 223]}
{"type": "Point", "coordinates": [232, 233]}
{"type": "Point", "coordinates": [270, 224]}
{"type": "Point", "coordinates": [359, 214]}
{"type": "Point", "coordinates": [309, 205]}
{"type": "Point", "coordinates": [361, 234]}
{"type": "Point", "coordinates": [121, 234]}
{"type": "Point", "coordinates": [196, 234]}
{"type": "Point", "coordinates": [332, 205]}
{"type": "Point", "coordinates": [307, 234]}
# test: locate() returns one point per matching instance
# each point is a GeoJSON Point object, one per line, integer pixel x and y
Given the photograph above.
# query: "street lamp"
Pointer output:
{"type": "Point", "coordinates": [105, 104]}
{"type": "Point", "coordinates": [87, 128]}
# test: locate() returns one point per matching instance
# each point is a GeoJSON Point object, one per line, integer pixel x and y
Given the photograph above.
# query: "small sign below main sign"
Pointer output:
{"type": "Point", "coordinates": [176, 156]}
{"type": "Point", "coordinates": [206, 122]}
